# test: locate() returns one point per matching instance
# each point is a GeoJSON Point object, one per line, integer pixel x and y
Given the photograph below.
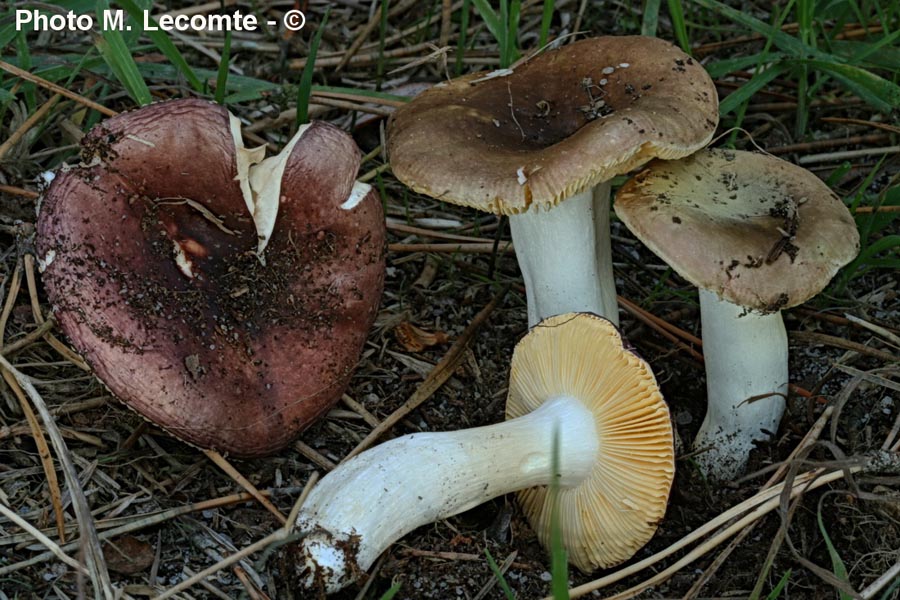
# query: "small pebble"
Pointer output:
{"type": "Point", "coordinates": [624, 65]}
{"type": "Point", "coordinates": [608, 70]}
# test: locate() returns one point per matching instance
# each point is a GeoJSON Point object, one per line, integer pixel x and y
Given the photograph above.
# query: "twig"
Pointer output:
{"type": "Point", "coordinates": [463, 248]}
{"type": "Point", "coordinates": [40, 537]}
{"type": "Point", "coordinates": [14, 70]}
{"type": "Point", "coordinates": [435, 234]}
{"type": "Point", "coordinates": [93, 553]}
{"type": "Point", "coordinates": [846, 154]}
{"type": "Point", "coordinates": [853, 140]}
{"type": "Point", "coordinates": [436, 378]}
{"type": "Point", "coordinates": [809, 439]}
{"type": "Point", "coordinates": [229, 469]}
{"type": "Point", "coordinates": [281, 534]}
{"type": "Point", "coordinates": [359, 409]}
{"type": "Point", "coordinates": [859, 210]}
{"type": "Point", "coordinates": [374, 172]}
{"type": "Point", "coordinates": [314, 456]}
{"type": "Point", "coordinates": [446, 22]}
{"type": "Point", "coordinates": [875, 124]}
{"type": "Point", "coordinates": [26, 340]}
{"type": "Point", "coordinates": [877, 329]}
{"type": "Point", "coordinates": [355, 98]}
{"type": "Point", "coordinates": [761, 504]}
{"type": "Point", "coordinates": [36, 432]}
{"type": "Point", "coordinates": [249, 586]}
{"type": "Point", "coordinates": [17, 191]}
{"type": "Point", "coordinates": [357, 106]}
{"type": "Point", "coordinates": [831, 340]}
{"type": "Point", "coordinates": [662, 327]}
{"type": "Point", "coordinates": [877, 585]}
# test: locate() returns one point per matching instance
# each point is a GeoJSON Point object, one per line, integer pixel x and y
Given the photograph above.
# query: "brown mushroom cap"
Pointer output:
{"type": "Point", "coordinates": [241, 356]}
{"type": "Point", "coordinates": [502, 143]}
{"type": "Point", "coordinates": [756, 230]}
{"type": "Point", "coordinates": [616, 510]}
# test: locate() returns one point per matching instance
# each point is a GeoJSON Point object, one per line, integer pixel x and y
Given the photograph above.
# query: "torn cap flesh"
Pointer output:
{"type": "Point", "coordinates": [756, 230]}
{"type": "Point", "coordinates": [616, 510]}
{"type": "Point", "coordinates": [155, 277]}
{"type": "Point", "coordinates": [557, 125]}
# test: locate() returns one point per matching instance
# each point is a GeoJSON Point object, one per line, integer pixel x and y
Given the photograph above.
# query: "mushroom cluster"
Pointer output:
{"type": "Point", "coordinates": [541, 143]}
{"type": "Point", "coordinates": [573, 381]}
{"type": "Point", "coordinates": [757, 235]}
{"type": "Point", "coordinates": [223, 296]}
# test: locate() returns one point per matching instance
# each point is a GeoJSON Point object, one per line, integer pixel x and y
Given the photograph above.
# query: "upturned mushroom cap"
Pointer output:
{"type": "Point", "coordinates": [614, 512]}
{"type": "Point", "coordinates": [149, 252]}
{"type": "Point", "coordinates": [756, 230]}
{"type": "Point", "coordinates": [557, 125]}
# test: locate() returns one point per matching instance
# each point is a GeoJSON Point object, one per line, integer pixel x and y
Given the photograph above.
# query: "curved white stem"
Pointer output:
{"type": "Point", "coordinates": [565, 257]}
{"type": "Point", "coordinates": [377, 497]}
{"type": "Point", "coordinates": [746, 357]}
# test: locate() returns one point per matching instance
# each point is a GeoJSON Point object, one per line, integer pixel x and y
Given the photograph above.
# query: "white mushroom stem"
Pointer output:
{"type": "Point", "coordinates": [374, 499]}
{"type": "Point", "coordinates": [746, 357]}
{"type": "Point", "coordinates": [565, 256]}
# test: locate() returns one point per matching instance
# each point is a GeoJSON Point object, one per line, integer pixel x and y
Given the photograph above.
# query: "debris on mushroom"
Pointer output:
{"type": "Point", "coordinates": [460, 142]}
{"type": "Point", "coordinates": [573, 384]}
{"type": "Point", "coordinates": [152, 255]}
{"type": "Point", "coordinates": [757, 235]}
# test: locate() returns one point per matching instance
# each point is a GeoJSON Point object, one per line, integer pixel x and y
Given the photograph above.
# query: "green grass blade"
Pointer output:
{"type": "Point", "coordinates": [512, 32]}
{"type": "Point", "coordinates": [391, 592]}
{"type": "Point", "coordinates": [305, 88]}
{"type": "Point", "coordinates": [867, 261]}
{"type": "Point", "coordinates": [362, 93]}
{"type": "Point", "coordinates": [164, 44]}
{"type": "Point", "coordinates": [463, 29]}
{"type": "Point", "coordinates": [837, 565]}
{"type": "Point", "coordinates": [23, 53]}
{"type": "Point", "coordinates": [743, 93]}
{"type": "Point", "coordinates": [720, 68]}
{"type": "Point", "coordinates": [889, 592]}
{"type": "Point", "coordinates": [650, 20]}
{"type": "Point", "coordinates": [779, 587]}
{"type": "Point", "coordinates": [501, 580]}
{"type": "Point", "coordinates": [546, 18]}
{"type": "Point", "coordinates": [786, 42]}
{"type": "Point", "coordinates": [118, 56]}
{"type": "Point", "coordinates": [222, 77]}
{"type": "Point", "coordinates": [559, 563]}
{"type": "Point", "coordinates": [491, 19]}
{"type": "Point", "coordinates": [676, 12]}
{"type": "Point", "coordinates": [504, 31]}
{"type": "Point", "coordinates": [874, 90]}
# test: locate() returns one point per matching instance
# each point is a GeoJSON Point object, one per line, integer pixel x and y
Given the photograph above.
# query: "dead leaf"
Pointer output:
{"type": "Point", "coordinates": [128, 555]}
{"type": "Point", "coordinates": [414, 339]}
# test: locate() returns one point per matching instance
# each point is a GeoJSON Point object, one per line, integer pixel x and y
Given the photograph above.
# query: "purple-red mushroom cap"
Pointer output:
{"type": "Point", "coordinates": [224, 300]}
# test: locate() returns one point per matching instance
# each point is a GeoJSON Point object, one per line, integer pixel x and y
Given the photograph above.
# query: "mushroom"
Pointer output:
{"type": "Point", "coordinates": [572, 380]}
{"type": "Point", "coordinates": [554, 131]}
{"type": "Point", "coordinates": [757, 235]}
{"type": "Point", "coordinates": [223, 298]}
